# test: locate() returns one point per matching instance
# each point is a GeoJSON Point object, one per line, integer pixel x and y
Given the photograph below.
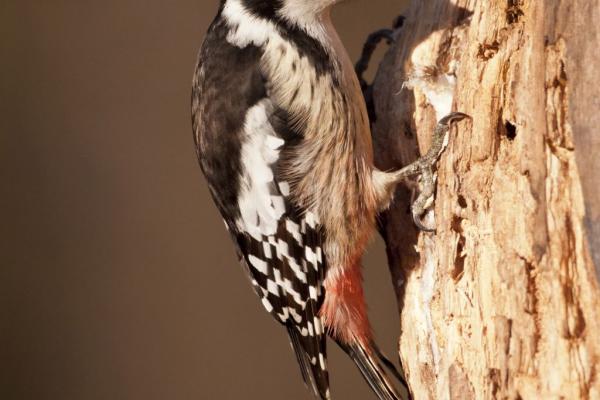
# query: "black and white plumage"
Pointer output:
{"type": "Point", "coordinates": [279, 244]}
{"type": "Point", "coordinates": [282, 136]}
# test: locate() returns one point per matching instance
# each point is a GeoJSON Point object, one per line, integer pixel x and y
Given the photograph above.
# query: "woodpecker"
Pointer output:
{"type": "Point", "coordinates": [283, 138]}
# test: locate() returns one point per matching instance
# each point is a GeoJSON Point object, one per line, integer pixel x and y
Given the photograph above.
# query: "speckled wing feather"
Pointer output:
{"type": "Point", "coordinates": [287, 271]}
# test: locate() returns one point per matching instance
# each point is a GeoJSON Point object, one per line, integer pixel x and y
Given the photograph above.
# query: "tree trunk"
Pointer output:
{"type": "Point", "coordinates": [503, 301]}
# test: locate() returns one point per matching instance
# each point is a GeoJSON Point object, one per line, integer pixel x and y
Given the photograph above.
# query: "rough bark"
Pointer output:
{"type": "Point", "coordinates": [503, 301]}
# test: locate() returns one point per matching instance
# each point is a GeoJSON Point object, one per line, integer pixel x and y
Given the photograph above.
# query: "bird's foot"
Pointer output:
{"type": "Point", "coordinates": [425, 167]}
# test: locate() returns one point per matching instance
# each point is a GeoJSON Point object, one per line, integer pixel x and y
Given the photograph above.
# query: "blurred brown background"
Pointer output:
{"type": "Point", "coordinates": [117, 279]}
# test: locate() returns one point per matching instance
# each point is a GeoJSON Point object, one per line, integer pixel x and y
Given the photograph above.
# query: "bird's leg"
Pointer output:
{"type": "Point", "coordinates": [425, 166]}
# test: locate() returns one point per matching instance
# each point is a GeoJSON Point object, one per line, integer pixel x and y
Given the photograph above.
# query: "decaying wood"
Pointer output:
{"type": "Point", "coordinates": [503, 301]}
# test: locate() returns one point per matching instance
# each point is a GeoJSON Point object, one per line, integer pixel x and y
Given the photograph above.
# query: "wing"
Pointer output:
{"type": "Point", "coordinates": [241, 136]}
{"type": "Point", "coordinates": [281, 243]}
{"type": "Point", "coordinates": [286, 266]}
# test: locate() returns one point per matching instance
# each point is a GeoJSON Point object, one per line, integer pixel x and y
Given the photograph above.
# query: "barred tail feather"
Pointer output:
{"type": "Point", "coordinates": [374, 373]}
{"type": "Point", "coordinates": [315, 376]}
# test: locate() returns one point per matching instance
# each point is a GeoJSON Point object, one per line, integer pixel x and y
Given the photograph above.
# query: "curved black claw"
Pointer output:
{"type": "Point", "coordinates": [453, 118]}
{"type": "Point", "coordinates": [420, 225]}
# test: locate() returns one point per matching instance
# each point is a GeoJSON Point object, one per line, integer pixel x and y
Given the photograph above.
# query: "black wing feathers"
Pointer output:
{"type": "Point", "coordinates": [314, 377]}
{"type": "Point", "coordinates": [220, 102]}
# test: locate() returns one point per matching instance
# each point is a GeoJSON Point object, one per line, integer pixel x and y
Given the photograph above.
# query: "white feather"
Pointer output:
{"type": "Point", "coordinates": [258, 264]}
{"type": "Point", "coordinates": [260, 211]}
{"type": "Point", "coordinates": [310, 256]}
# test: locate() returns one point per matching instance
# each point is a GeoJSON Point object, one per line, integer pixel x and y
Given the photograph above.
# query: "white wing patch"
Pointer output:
{"type": "Point", "coordinates": [258, 264]}
{"type": "Point", "coordinates": [260, 209]}
{"type": "Point", "coordinates": [294, 229]}
{"type": "Point", "coordinates": [280, 241]}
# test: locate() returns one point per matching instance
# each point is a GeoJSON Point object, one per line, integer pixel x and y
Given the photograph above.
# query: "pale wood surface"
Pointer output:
{"type": "Point", "coordinates": [503, 301]}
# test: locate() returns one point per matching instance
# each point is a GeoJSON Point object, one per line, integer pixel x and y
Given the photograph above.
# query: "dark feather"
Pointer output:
{"type": "Point", "coordinates": [374, 373]}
